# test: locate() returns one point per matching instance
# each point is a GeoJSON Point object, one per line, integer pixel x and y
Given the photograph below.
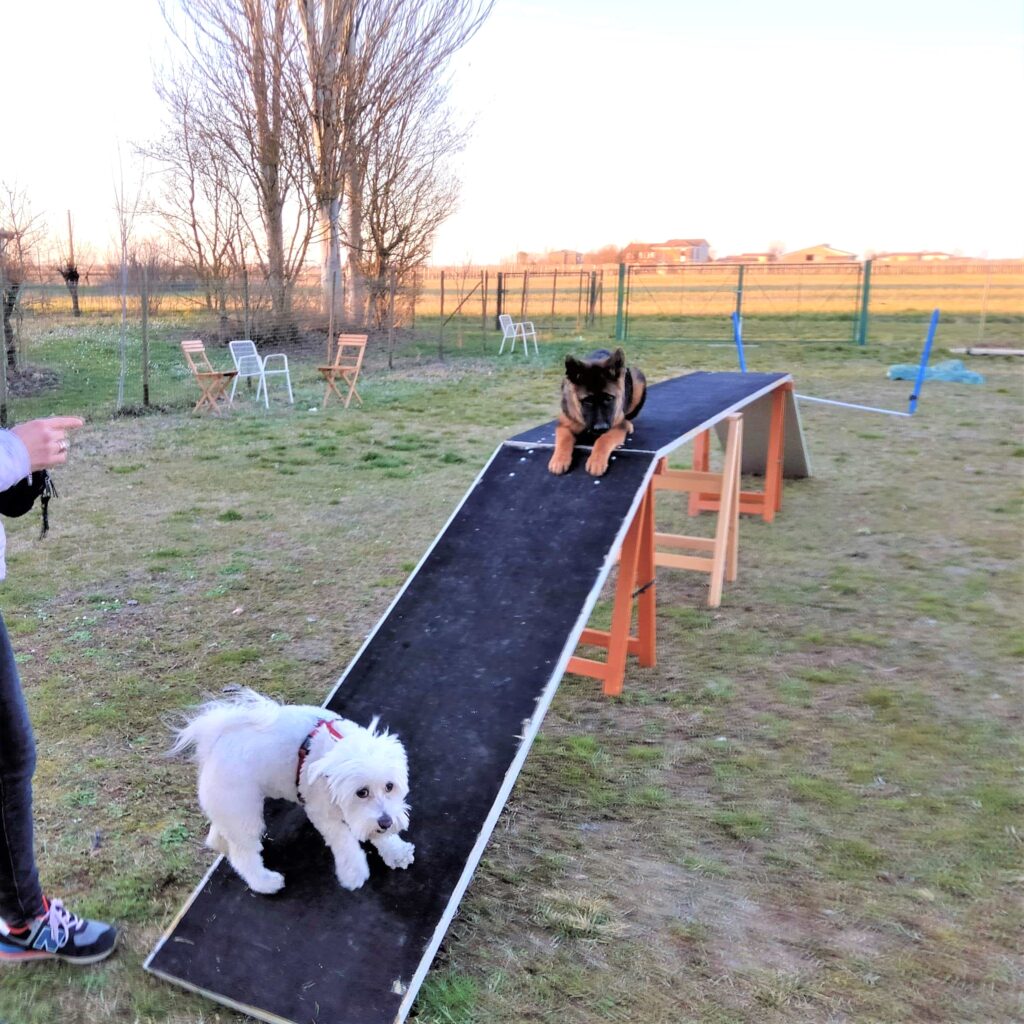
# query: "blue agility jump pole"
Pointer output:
{"type": "Point", "coordinates": [918, 382]}
{"type": "Point", "coordinates": [737, 337]}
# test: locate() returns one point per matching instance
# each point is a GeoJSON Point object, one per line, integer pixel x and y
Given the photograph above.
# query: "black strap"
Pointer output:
{"type": "Point", "coordinates": [49, 491]}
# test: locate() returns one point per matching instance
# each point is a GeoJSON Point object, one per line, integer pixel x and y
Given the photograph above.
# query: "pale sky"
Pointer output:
{"type": "Point", "coordinates": [880, 124]}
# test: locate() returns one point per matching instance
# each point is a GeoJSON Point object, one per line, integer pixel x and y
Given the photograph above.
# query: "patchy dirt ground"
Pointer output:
{"type": "Point", "coordinates": [809, 811]}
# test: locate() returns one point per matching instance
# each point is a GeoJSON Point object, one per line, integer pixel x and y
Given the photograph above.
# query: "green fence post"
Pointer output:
{"type": "Point", "coordinates": [739, 291]}
{"type": "Point", "coordinates": [620, 311]}
{"type": "Point", "coordinates": [865, 295]}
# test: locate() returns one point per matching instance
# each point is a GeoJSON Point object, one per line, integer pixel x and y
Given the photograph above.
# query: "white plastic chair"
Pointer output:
{"type": "Point", "coordinates": [250, 363]}
{"type": "Point", "coordinates": [510, 330]}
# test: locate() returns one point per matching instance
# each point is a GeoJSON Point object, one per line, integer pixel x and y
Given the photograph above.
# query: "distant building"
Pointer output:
{"type": "Point", "coordinates": [914, 257]}
{"type": "Point", "coordinates": [818, 254]}
{"type": "Point", "coordinates": [563, 258]}
{"type": "Point", "coordinates": [750, 257]}
{"type": "Point", "coordinates": [675, 250]}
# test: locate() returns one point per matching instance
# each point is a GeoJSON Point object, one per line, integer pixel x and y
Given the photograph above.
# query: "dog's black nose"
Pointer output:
{"type": "Point", "coordinates": [384, 822]}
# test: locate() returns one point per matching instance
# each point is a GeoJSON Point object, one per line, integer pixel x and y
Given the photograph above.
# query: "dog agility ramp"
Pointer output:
{"type": "Point", "coordinates": [462, 666]}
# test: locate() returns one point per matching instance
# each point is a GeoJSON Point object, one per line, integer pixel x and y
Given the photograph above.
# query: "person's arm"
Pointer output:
{"type": "Point", "coordinates": [15, 463]}
{"type": "Point", "coordinates": [46, 440]}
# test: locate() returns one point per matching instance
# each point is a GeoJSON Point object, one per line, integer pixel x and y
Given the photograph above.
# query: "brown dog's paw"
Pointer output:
{"type": "Point", "coordinates": [560, 463]}
{"type": "Point", "coordinates": [597, 464]}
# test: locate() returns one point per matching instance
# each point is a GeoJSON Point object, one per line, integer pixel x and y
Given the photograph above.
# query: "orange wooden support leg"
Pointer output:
{"type": "Point", "coordinates": [636, 560]}
{"type": "Point", "coordinates": [647, 582]}
{"type": "Point", "coordinates": [719, 492]}
{"type": "Point", "coordinates": [773, 462]}
{"type": "Point", "coordinates": [756, 503]}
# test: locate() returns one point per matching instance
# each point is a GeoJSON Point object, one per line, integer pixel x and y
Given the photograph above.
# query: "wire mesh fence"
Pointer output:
{"type": "Point", "coordinates": [111, 357]}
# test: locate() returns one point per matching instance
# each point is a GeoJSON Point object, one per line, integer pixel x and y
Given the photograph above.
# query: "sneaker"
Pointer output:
{"type": "Point", "coordinates": [57, 934]}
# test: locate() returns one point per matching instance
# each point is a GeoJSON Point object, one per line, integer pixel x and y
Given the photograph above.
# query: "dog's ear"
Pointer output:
{"type": "Point", "coordinates": [616, 364]}
{"type": "Point", "coordinates": [573, 370]}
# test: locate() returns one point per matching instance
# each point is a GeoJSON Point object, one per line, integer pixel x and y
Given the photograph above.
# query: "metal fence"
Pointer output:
{"type": "Point", "coordinates": [838, 302]}
{"type": "Point", "coordinates": [65, 363]}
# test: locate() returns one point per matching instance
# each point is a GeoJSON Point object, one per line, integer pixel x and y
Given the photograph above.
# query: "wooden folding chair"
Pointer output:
{"type": "Point", "coordinates": [348, 361]}
{"type": "Point", "coordinates": [724, 488]}
{"type": "Point", "coordinates": [212, 382]}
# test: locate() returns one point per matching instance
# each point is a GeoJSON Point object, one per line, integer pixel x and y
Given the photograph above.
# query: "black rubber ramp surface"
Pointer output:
{"type": "Point", "coordinates": [462, 667]}
{"type": "Point", "coordinates": [458, 669]}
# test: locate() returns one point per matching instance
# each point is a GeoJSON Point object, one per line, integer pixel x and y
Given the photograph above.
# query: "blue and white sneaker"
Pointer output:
{"type": "Point", "coordinates": [56, 934]}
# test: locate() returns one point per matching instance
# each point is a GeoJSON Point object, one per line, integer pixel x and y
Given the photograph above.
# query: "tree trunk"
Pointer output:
{"type": "Point", "coordinates": [10, 300]}
{"type": "Point", "coordinates": [275, 267]}
{"type": "Point", "coordinates": [355, 297]}
{"type": "Point", "coordinates": [71, 277]}
{"type": "Point", "coordinates": [329, 225]}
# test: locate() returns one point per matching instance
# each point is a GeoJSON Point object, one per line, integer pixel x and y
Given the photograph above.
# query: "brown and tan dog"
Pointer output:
{"type": "Point", "coordinates": [600, 395]}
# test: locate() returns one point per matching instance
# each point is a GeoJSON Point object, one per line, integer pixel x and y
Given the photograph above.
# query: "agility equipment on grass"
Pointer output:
{"type": "Point", "coordinates": [920, 377]}
{"type": "Point", "coordinates": [463, 666]}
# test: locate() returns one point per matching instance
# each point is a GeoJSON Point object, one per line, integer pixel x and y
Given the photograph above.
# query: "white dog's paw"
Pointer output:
{"type": "Point", "coordinates": [266, 882]}
{"type": "Point", "coordinates": [397, 853]}
{"type": "Point", "coordinates": [353, 872]}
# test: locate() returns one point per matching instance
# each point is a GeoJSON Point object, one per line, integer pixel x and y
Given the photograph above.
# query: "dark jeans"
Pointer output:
{"type": "Point", "coordinates": [20, 895]}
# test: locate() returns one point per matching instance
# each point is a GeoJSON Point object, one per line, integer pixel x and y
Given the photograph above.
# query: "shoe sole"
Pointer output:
{"type": "Point", "coordinates": [32, 955]}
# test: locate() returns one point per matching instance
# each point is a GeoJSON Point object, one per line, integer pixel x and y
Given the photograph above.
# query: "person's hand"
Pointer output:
{"type": "Point", "coordinates": [47, 439]}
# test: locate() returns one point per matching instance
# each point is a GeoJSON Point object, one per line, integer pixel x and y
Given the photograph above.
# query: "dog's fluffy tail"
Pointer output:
{"type": "Point", "coordinates": [243, 709]}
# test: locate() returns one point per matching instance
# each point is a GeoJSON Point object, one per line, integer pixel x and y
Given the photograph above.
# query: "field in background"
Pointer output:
{"type": "Point", "coordinates": [808, 812]}
{"type": "Point", "coordinates": [806, 301]}
{"type": "Point", "coordinates": [73, 365]}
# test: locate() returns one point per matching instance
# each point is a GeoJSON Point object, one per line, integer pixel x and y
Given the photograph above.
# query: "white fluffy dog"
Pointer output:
{"type": "Point", "coordinates": [352, 780]}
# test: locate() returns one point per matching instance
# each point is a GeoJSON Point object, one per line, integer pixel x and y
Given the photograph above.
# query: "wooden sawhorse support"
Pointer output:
{"type": "Point", "coordinates": [759, 503]}
{"type": "Point", "coordinates": [636, 582]}
{"type": "Point", "coordinates": [724, 488]}
{"type": "Point", "coordinates": [639, 557]}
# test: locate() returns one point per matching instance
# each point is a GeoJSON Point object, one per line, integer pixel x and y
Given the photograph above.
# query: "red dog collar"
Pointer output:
{"type": "Point", "coordinates": [307, 743]}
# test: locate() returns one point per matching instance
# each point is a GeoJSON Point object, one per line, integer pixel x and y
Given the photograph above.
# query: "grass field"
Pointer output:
{"type": "Point", "coordinates": [810, 811]}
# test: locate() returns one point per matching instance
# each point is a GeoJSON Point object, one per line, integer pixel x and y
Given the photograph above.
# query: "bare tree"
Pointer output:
{"type": "Point", "coordinates": [364, 60]}
{"type": "Point", "coordinates": [327, 28]}
{"type": "Point", "coordinates": [67, 267]}
{"type": "Point", "coordinates": [202, 196]}
{"type": "Point", "coordinates": [127, 201]}
{"type": "Point", "coordinates": [21, 231]}
{"type": "Point", "coordinates": [408, 191]}
{"type": "Point", "coordinates": [242, 53]}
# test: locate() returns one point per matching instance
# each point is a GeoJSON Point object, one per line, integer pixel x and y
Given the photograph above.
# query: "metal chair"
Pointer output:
{"type": "Point", "coordinates": [249, 363]}
{"type": "Point", "coordinates": [510, 330]}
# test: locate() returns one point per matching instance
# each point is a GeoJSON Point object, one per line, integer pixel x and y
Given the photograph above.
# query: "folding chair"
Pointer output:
{"type": "Point", "coordinates": [510, 330]}
{"type": "Point", "coordinates": [212, 383]}
{"type": "Point", "coordinates": [348, 361]}
{"type": "Point", "coordinates": [249, 363]}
